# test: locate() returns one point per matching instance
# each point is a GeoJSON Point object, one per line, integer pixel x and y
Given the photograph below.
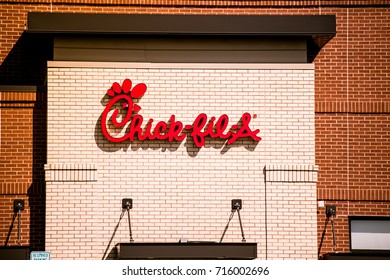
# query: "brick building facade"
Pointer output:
{"type": "Point", "coordinates": [351, 118]}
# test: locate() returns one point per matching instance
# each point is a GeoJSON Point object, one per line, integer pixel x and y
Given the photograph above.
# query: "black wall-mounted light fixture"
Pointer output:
{"type": "Point", "coordinates": [18, 205]}
{"type": "Point", "coordinates": [127, 204]}
{"type": "Point", "coordinates": [236, 207]}
{"type": "Point", "coordinates": [330, 212]}
{"type": "Point", "coordinates": [236, 204]}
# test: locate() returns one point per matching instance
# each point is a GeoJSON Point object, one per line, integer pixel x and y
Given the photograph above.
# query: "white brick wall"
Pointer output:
{"type": "Point", "coordinates": [180, 191]}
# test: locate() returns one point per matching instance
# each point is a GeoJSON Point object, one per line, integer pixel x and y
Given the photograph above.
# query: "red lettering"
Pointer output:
{"type": "Point", "coordinates": [148, 129]}
{"type": "Point", "coordinates": [221, 126]}
{"type": "Point", "coordinates": [197, 127]}
{"type": "Point", "coordinates": [209, 130]}
{"type": "Point", "coordinates": [171, 131]}
{"type": "Point", "coordinates": [175, 130]}
{"type": "Point", "coordinates": [245, 131]}
{"type": "Point", "coordinates": [160, 128]}
{"type": "Point", "coordinates": [135, 128]}
{"type": "Point", "coordinates": [127, 101]}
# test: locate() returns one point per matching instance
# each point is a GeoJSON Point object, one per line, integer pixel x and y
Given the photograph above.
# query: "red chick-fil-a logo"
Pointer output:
{"type": "Point", "coordinates": [172, 130]}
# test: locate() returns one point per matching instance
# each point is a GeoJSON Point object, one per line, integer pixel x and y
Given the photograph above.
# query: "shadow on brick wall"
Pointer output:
{"type": "Point", "coordinates": [37, 190]}
{"type": "Point", "coordinates": [26, 63]}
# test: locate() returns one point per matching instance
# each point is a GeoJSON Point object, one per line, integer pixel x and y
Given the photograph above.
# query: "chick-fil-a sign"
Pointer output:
{"type": "Point", "coordinates": [172, 130]}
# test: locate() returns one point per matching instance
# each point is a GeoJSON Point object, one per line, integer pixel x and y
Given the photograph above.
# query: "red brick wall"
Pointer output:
{"type": "Point", "coordinates": [353, 154]}
{"type": "Point", "coordinates": [16, 161]}
{"type": "Point", "coordinates": [360, 143]}
{"type": "Point", "coordinates": [22, 149]}
{"type": "Point", "coordinates": [345, 209]}
{"type": "Point", "coordinates": [7, 218]}
{"type": "Point", "coordinates": [353, 121]}
{"type": "Point", "coordinates": [352, 103]}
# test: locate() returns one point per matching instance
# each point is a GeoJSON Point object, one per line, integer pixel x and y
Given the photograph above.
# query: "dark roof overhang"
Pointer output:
{"type": "Point", "coordinates": [317, 29]}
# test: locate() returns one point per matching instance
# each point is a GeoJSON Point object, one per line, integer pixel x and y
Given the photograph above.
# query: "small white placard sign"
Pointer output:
{"type": "Point", "coordinates": [39, 256]}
